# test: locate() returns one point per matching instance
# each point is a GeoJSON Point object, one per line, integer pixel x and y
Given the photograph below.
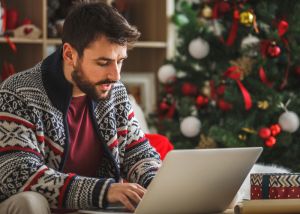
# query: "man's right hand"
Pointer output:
{"type": "Point", "coordinates": [129, 194]}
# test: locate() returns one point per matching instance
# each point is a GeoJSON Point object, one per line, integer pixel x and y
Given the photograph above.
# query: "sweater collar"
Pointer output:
{"type": "Point", "coordinates": [58, 89]}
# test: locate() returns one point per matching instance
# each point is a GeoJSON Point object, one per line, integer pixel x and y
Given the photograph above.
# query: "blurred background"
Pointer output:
{"type": "Point", "coordinates": [205, 73]}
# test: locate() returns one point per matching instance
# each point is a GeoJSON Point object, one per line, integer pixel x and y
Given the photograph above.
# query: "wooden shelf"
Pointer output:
{"type": "Point", "coordinates": [22, 40]}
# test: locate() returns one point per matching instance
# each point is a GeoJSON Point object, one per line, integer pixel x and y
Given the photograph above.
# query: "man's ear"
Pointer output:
{"type": "Point", "coordinates": [69, 55]}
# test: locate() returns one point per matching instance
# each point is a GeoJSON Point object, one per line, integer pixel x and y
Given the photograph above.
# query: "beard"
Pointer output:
{"type": "Point", "coordinates": [89, 88]}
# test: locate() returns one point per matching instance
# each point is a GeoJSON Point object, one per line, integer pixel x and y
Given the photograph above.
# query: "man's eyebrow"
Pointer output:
{"type": "Point", "coordinates": [103, 58]}
{"type": "Point", "coordinates": [108, 59]}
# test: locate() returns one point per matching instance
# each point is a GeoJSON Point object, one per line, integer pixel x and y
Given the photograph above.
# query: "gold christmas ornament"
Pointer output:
{"type": "Point", "coordinates": [263, 104]}
{"type": "Point", "coordinates": [242, 137]}
{"type": "Point", "coordinates": [247, 18]}
{"type": "Point", "coordinates": [207, 12]}
{"type": "Point", "coordinates": [205, 90]}
{"type": "Point", "coordinates": [244, 64]}
{"type": "Point", "coordinates": [249, 130]}
{"type": "Point", "coordinates": [206, 142]}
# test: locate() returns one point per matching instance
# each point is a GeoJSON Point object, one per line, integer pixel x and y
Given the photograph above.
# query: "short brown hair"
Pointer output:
{"type": "Point", "coordinates": [88, 20]}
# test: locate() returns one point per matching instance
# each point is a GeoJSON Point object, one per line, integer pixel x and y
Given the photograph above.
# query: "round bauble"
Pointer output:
{"type": "Point", "coordinates": [246, 18]}
{"type": "Point", "coordinates": [201, 101]}
{"type": "Point", "coordinates": [270, 142]}
{"type": "Point", "coordinates": [264, 133]}
{"type": "Point", "coordinates": [164, 106]}
{"type": "Point", "coordinates": [249, 41]}
{"type": "Point", "coordinates": [198, 48]}
{"type": "Point", "coordinates": [289, 121]}
{"type": "Point", "coordinates": [273, 50]}
{"type": "Point", "coordinates": [166, 73]}
{"type": "Point", "coordinates": [275, 129]}
{"type": "Point", "coordinates": [189, 89]}
{"type": "Point", "coordinates": [190, 126]}
{"type": "Point", "coordinates": [207, 12]}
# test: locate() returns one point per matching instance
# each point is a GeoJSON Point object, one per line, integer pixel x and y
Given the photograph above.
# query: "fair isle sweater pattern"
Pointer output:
{"type": "Point", "coordinates": [34, 140]}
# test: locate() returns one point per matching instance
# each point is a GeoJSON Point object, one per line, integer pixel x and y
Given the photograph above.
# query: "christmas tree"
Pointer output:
{"type": "Point", "coordinates": [234, 80]}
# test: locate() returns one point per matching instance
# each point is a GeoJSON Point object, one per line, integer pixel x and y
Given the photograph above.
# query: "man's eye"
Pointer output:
{"type": "Point", "coordinates": [103, 63]}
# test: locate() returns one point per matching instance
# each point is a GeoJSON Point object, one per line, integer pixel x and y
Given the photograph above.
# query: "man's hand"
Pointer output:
{"type": "Point", "coordinates": [129, 194]}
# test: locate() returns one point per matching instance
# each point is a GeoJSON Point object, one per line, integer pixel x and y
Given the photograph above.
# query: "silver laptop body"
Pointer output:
{"type": "Point", "coordinates": [197, 181]}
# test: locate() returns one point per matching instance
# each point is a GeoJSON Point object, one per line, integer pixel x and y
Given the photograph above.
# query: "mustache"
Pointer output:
{"type": "Point", "coordinates": [107, 81]}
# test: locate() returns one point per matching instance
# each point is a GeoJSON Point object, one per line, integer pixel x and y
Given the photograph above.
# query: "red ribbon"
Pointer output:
{"type": "Point", "coordinates": [234, 28]}
{"type": "Point", "coordinates": [215, 14]}
{"type": "Point", "coordinates": [263, 77]}
{"type": "Point", "coordinates": [11, 44]}
{"type": "Point", "coordinates": [282, 27]}
{"type": "Point", "coordinates": [232, 73]}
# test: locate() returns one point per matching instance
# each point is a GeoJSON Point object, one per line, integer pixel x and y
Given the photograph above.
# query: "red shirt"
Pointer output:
{"type": "Point", "coordinates": [85, 151]}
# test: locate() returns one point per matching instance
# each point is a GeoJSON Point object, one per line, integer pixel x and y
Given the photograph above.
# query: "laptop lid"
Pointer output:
{"type": "Point", "coordinates": [198, 181]}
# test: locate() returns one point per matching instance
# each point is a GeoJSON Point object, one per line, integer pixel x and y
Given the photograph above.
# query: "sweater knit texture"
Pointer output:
{"type": "Point", "coordinates": [34, 139]}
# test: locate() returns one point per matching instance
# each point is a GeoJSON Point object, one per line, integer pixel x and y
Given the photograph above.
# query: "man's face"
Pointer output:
{"type": "Point", "coordinates": [99, 68]}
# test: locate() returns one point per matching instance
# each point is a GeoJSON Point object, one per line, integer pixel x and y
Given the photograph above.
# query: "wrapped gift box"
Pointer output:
{"type": "Point", "coordinates": [275, 185]}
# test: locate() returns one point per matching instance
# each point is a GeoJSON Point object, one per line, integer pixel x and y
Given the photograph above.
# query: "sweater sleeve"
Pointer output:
{"type": "Point", "coordinates": [23, 163]}
{"type": "Point", "coordinates": [141, 160]}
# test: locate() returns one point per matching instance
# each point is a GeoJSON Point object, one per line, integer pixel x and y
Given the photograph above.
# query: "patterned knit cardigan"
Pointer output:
{"type": "Point", "coordinates": [34, 139]}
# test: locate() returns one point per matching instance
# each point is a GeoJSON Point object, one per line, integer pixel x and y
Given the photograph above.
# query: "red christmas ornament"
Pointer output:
{"type": "Point", "coordinates": [223, 105]}
{"type": "Point", "coordinates": [264, 133]}
{"type": "Point", "coordinates": [275, 129]}
{"type": "Point", "coordinates": [164, 106]}
{"type": "Point", "coordinates": [201, 101]}
{"type": "Point", "coordinates": [189, 89]}
{"type": "Point", "coordinates": [270, 142]}
{"type": "Point", "coordinates": [273, 50]}
{"type": "Point", "coordinates": [221, 89]}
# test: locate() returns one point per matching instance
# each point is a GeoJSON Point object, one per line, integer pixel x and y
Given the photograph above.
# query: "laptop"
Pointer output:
{"type": "Point", "coordinates": [196, 181]}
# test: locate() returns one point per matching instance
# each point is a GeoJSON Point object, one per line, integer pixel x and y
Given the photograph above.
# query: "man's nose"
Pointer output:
{"type": "Point", "coordinates": [114, 73]}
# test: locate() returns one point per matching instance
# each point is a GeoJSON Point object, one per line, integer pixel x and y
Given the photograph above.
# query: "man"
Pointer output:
{"type": "Point", "coordinates": [68, 135]}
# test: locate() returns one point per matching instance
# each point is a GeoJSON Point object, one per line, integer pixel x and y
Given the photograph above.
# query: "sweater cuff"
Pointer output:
{"type": "Point", "coordinates": [102, 189]}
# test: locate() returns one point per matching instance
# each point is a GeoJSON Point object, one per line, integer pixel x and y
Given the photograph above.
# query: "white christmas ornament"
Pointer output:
{"type": "Point", "coordinates": [250, 45]}
{"type": "Point", "coordinates": [198, 48]}
{"type": "Point", "coordinates": [166, 73]}
{"type": "Point", "coordinates": [289, 121]}
{"type": "Point", "coordinates": [190, 126]}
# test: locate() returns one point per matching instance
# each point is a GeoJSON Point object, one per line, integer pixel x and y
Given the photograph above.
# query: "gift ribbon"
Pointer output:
{"type": "Point", "coordinates": [232, 73]}
{"type": "Point", "coordinates": [265, 186]}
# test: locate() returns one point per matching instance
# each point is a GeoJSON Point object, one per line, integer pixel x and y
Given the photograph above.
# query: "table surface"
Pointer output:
{"type": "Point", "coordinates": [229, 211]}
